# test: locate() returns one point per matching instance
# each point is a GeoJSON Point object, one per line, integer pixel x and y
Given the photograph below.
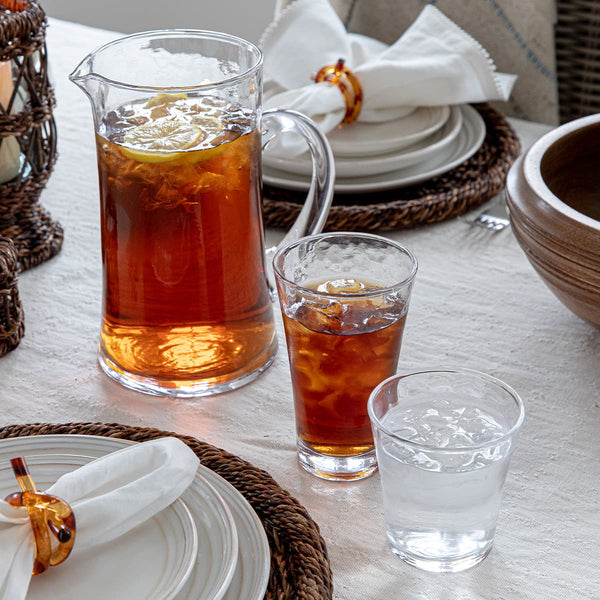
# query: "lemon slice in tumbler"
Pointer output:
{"type": "Point", "coordinates": [161, 141]}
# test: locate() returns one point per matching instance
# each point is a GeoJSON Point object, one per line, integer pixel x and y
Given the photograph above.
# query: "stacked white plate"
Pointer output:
{"type": "Point", "coordinates": [381, 156]}
{"type": "Point", "coordinates": [208, 545]}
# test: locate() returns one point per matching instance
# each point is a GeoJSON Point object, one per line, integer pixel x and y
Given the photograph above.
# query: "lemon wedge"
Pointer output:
{"type": "Point", "coordinates": [162, 99]}
{"type": "Point", "coordinates": [212, 126]}
{"type": "Point", "coordinates": [161, 141]}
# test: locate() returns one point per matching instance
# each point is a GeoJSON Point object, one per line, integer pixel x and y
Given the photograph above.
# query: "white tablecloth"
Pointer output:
{"type": "Point", "coordinates": [476, 303]}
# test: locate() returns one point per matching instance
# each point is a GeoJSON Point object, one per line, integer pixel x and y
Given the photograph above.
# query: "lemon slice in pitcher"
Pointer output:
{"type": "Point", "coordinates": [211, 126]}
{"type": "Point", "coordinates": [166, 140]}
{"type": "Point", "coordinates": [162, 99]}
{"type": "Point", "coordinates": [161, 141]}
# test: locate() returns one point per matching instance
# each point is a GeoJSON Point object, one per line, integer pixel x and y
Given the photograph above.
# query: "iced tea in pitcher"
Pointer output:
{"type": "Point", "coordinates": [182, 241]}
{"type": "Point", "coordinates": [180, 128]}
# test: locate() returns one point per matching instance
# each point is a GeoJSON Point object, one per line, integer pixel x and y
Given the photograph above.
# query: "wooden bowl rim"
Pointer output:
{"type": "Point", "coordinates": [533, 175]}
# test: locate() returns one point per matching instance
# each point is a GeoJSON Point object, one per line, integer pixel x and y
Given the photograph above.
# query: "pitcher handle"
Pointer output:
{"type": "Point", "coordinates": [315, 211]}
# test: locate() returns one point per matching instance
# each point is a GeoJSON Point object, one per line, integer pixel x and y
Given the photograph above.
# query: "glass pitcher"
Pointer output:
{"type": "Point", "coordinates": [187, 299]}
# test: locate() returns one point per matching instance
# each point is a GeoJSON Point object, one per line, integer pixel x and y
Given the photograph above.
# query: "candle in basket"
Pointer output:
{"type": "Point", "coordinates": [10, 152]}
{"type": "Point", "coordinates": [14, 5]}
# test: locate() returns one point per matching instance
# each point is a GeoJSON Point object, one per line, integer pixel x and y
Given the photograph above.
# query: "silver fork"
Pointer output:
{"type": "Point", "coordinates": [494, 217]}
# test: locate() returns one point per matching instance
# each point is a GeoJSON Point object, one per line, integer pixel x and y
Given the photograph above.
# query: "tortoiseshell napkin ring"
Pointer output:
{"type": "Point", "coordinates": [341, 76]}
{"type": "Point", "coordinates": [48, 515]}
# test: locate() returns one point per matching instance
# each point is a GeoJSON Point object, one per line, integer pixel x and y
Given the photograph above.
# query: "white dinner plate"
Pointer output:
{"type": "Point", "coordinates": [250, 577]}
{"type": "Point", "coordinates": [425, 149]}
{"type": "Point", "coordinates": [467, 142]}
{"type": "Point", "coordinates": [364, 139]}
{"type": "Point", "coordinates": [152, 561]}
{"type": "Point", "coordinates": [254, 561]}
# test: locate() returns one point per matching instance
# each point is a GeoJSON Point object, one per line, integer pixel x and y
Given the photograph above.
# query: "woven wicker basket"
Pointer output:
{"type": "Point", "coordinates": [28, 119]}
{"type": "Point", "coordinates": [578, 58]}
{"type": "Point", "coordinates": [12, 327]}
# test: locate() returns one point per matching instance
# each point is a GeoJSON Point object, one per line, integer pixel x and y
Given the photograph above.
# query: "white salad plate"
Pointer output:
{"type": "Point", "coordinates": [152, 561]}
{"type": "Point", "coordinates": [215, 575]}
{"type": "Point", "coordinates": [368, 138]}
{"type": "Point", "coordinates": [425, 149]}
{"type": "Point", "coordinates": [468, 141]}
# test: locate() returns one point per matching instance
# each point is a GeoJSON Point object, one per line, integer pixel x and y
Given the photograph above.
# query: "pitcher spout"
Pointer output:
{"type": "Point", "coordinates": [83, 76]}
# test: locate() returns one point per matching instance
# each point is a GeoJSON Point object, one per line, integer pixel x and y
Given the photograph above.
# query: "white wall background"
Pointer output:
{"type": "Point", "coordinates": [245, 18]}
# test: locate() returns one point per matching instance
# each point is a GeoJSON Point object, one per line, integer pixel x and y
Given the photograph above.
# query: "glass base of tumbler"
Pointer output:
{"type": "Point", "coordinates": [336, 468]}
{"type": "Point", "coordinates": [434, 553]}
{"type": "Point", "coordinates": [188, 388]}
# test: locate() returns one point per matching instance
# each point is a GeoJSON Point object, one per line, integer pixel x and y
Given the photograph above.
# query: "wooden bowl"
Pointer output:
{"type": "Point", "coordinates": [553, 196]}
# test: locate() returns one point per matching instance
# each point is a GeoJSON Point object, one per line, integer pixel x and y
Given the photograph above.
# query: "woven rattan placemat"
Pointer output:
{"type": "Point", "coordinates": [463, 188]}
{"type": "Point", "coordinates": [299, 564]}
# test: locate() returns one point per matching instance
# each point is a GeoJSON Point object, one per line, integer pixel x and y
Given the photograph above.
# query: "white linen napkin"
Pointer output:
{"type": "Point", "coordinates": [109, 496]}
{"type": "Point", "coordinates": [433, 63]}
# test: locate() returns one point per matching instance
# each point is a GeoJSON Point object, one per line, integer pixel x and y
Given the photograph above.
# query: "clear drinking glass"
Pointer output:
{"type": "Point", "coordinates": [444, 439]}
{"type": "Point", "coordinates": [344, 299]}
{"type": "Point", "coordinates": [187, 307]}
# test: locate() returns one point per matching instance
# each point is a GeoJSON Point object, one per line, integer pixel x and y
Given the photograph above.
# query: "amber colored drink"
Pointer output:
{"type": "Point", "coordinates": [185, 291]}
{"type": "Point", "coordinates": [339, 352]}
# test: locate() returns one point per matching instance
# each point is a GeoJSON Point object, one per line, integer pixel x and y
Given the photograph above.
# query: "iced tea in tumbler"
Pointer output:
{"type": "Point", "coordinates": [344, 299]}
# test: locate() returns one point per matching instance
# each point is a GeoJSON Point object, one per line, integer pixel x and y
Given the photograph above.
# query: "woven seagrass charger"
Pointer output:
{"type": "Point", "coordinates": [300, 567]}
{"type": "Point", "coordinates": [463, 188]}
